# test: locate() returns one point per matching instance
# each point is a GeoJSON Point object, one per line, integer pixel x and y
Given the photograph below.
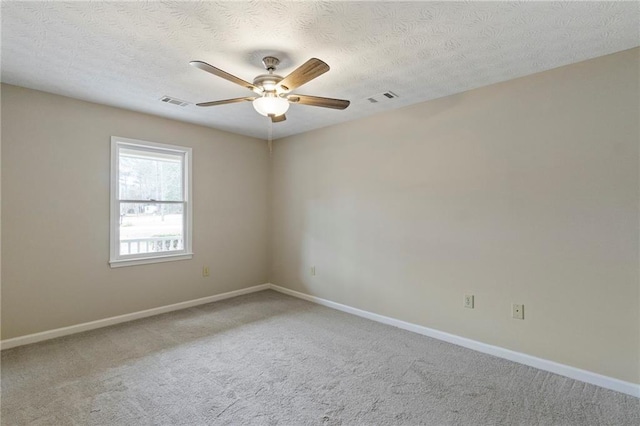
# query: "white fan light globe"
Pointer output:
{"type": "Point", "coordinates": [271, 105]}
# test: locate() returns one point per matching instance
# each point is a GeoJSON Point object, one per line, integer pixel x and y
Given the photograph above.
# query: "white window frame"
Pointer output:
{"type": "Point", "coordinates": [116, 260]}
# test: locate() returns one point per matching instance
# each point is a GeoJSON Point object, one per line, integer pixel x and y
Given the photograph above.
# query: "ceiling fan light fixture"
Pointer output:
{"type": "Point", "coordinates": [271, 105]}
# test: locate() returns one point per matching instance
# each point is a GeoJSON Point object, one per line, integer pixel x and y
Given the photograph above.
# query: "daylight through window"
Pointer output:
{"type": "Point", "coordinates": [150, 202]}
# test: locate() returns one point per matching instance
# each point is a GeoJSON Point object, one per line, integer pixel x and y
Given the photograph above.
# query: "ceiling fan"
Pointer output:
{"type": "Point", "coordinates": [273, 91]}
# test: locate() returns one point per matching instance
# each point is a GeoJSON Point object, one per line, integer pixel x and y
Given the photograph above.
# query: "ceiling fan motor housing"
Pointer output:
{"type": "Point", "coordinates": [268, 82]}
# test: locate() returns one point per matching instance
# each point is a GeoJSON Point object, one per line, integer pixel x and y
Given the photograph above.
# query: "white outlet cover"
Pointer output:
{"type": "Point", "coordinates": [468, 301]}
{"type": "Point", "coordinates": [517, 311]}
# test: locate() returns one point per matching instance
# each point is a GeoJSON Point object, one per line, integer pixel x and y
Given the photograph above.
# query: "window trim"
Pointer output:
{"type": "Point", "coordinates": [116, 261]}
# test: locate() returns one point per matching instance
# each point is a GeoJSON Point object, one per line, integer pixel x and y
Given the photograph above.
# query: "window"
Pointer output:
{"type": "Point", "coordinates": [150, 202]}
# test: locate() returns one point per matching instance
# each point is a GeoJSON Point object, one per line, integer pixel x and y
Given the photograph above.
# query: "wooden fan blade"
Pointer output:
{"type": "Point", "coordinates": [303, 74]}
{"type": "Point", "coordinates": [219, 73]}
{"type": "Point", "coordinates": [277, 119]}
{"type": "Point", "coordinates": [318, 101]}
{"type": "Point", "coordinates": [225, 101]}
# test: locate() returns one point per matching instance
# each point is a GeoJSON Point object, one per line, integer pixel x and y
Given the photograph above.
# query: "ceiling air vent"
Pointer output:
{"type": "Point", "coordinates": [174, 101]}
{"type": "Point", "coordinates": [382, 97]}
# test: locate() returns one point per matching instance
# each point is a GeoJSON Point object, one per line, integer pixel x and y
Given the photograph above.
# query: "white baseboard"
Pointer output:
{"type": "Point", "coordinates": [532, 361]}
{"type": "Point", "coordinates": [78, 328]}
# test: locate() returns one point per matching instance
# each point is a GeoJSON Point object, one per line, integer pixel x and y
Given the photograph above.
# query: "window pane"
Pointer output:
{"type": "Point", "coordinates": [150, 228]}
{"type": "Point", "coordinates": [150, 175]}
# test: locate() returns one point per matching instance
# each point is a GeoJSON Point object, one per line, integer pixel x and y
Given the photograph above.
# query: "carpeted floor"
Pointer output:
{"type": "Point", "coordinates": [266, 358]}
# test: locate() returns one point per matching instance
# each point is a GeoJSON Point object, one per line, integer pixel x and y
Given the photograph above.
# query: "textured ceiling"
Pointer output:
{"type": "Point", "coordinates": [129, 54]}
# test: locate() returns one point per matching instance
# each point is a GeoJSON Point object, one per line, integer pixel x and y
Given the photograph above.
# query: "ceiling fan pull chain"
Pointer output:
{"type": "Point", "coordinates": [270, 140]}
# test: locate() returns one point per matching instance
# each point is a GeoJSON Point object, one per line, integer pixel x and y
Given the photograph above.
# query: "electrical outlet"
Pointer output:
{"type": "Point", "coordinates": [205, 271]}
{"type": "Point", "coordinates": [312, 270]}
{"type": "Point", "coordinates": [468, 301]}
{"type": "Point", "coordinates": [517, 311]}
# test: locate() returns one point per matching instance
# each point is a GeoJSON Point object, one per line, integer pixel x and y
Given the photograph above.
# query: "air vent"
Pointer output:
{"type": "Point", "coordinates": [174, 101]}
{"type": "Point", "coordinates": [382, 97]}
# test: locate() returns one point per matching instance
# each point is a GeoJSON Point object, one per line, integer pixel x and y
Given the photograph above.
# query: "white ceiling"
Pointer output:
{"type": "Point", "coordinates": [129, 54]}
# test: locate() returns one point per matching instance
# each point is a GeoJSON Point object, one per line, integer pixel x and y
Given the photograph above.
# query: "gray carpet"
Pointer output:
{"type": "Point", "coordinates": [266, 358]}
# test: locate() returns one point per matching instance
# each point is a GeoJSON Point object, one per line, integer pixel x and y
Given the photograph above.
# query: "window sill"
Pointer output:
{"type": "Point", "coordinates": [147, 260]}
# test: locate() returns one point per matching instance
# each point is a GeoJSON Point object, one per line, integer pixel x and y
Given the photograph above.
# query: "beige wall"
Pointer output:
{"type": "Point", "coordinates": [522, 192]}
{"type": "Point", "coordinates": [55, 213]}
{"type": "Point", "coordinates": [526, 191]}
